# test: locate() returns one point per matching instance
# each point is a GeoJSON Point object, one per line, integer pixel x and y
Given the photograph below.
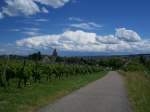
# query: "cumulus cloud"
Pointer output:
{"type": "Point", "coordinates": [127, 35]}
{"type": "Point", "coordinates": [108, 39]}
{"type": "Point", "coordinates": [86, 26]}
{"type": "Point", "coordinates": [68, 40]}
{"type": "Point", "coordinates": [87, 41]}
{"type": "Point", "coordinates": [79, 37]}
{"type": "Point", "coordinates": [29, 7]}
{"type": "Point", "coordinates": [38, 41]}
{"type": "Point", "coordinates": [53, 3]}
{"type": "Point", "coordinates": [17, 7]}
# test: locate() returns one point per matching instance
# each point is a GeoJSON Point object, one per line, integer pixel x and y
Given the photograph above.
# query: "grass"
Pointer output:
{"type": "Point", "coordinates": [138, 85]}
{"type": "Point", "coordinates": [29, 99]}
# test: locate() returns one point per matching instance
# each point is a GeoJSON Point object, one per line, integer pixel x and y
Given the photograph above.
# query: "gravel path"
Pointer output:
{"type": "Point", "coordinates": [104, 95]}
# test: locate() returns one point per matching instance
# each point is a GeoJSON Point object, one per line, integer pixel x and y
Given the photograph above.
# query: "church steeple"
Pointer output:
{"type": "Point", "coordinates": [55, 54]}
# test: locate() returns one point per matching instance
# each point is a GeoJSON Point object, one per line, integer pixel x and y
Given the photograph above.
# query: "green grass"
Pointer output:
{"type": "Point", "coordinates": [138, 85]}
{"type": "Point", "coordinates": [30, 98]}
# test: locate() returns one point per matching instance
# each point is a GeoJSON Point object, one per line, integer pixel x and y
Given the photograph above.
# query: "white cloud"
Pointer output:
{"type": "Point", "coordinates": [45, 10]}
{"type": "Point", "coordinates": [53, 3]}
{"type": "Point", "coordinates": [32, 29]}
{"type": "Point", "coordinates": [79, 37]}
{"type": "Point", "coordinates": [17, 7]}
{"type": "Point", "coordinates": [86, 41]}
{"type": "Point", "coordinates": [67, 38]}
{"type": "Point", "coordinates": [31, 33]}
{"type": "Point", "coordinates": [11, 48]}
{"type": "Point", "coordinates": [95, 25]}
{"type": "Point", "coordinates": [127, 35]}
{"type": "Point", "coordinates": [108, 39]}
{"type": "Point", "coordinates": [86, 26]}
{"type": "Point", "coordinates": [38, 41]}
{"type": "Point", "coordinates": [29, 7]}
{"type": "Point", "coordinates": [41, 20]}
{"type": "Point", "coordinates": [1, 16]}
{"type": "Point", "coordinates": [75, 19]}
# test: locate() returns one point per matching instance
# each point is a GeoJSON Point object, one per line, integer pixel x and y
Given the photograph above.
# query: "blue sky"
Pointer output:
{"type": "Point", "coordinates": [87, 26]}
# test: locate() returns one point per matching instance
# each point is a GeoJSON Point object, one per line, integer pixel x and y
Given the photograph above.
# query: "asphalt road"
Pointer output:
{"type": "Point", "coordinates": [104, 95]}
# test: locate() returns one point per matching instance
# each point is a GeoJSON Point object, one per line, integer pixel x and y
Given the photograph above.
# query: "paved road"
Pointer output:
{"type": "Point", "coordinates": [105, 95]}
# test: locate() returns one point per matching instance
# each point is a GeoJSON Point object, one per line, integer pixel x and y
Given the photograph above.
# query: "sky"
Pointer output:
{"type": "Point", "coordinates": [75, 27]}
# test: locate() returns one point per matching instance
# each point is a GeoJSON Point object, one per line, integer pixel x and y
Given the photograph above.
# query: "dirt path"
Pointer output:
{"type": "Point", "coordinates": [105, 95]}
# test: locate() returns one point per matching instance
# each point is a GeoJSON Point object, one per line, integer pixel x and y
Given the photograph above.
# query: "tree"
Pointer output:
{"type": "Point", "coordinates": [36, 56]}
{"type": "Point", "coordinates": [142, 60]}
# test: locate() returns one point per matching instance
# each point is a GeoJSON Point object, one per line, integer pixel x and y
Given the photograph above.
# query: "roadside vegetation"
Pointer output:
{"type": "Point", "coordinates": [137, 76]}
{"type": "Point", "coordinates": [29, 98]}
{"type": "Point", "coordinates": [28, 83]}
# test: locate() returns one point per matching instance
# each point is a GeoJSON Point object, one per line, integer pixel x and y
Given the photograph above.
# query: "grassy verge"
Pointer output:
{"type": "Point", "coordinates": [138, 85]}
{"type": "Point", "coordinates": [30, 98]}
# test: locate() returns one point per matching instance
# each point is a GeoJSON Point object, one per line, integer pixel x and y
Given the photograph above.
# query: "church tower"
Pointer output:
{"type": "Point", "coordinates": [55, 54]}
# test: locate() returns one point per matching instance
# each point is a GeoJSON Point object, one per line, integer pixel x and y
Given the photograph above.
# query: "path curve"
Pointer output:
{"type": "Point", "coordinates": [104, 95]}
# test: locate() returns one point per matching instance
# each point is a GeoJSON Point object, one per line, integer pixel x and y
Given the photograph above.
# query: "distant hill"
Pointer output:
{"type": "Point", "coordinates": [85, 57]}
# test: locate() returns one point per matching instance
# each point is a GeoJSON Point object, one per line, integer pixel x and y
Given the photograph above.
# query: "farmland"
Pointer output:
{"type": "Point", "coordinates": [27, 83]}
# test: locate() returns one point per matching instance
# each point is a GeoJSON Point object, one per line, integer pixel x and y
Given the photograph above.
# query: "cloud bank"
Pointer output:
{"type": "Point", "coordinates": [29, 7]}
{"type": "Point", "coordinates": [123, 40]}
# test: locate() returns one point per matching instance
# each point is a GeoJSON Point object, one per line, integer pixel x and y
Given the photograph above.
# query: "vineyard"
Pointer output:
{"type": "Point", "coordinates": [26, 72]}
{"type": "Point", "coordinates": [29, 82]}
{"type": "Point", "coordinates": [26, 84]}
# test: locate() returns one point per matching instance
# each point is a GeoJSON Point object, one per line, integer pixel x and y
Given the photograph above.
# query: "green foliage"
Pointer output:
{"type": "Point", "coordinates": [114, 63]}
{"type": "Point", "coordinates": [133, 65]}
{"type": "Point", "coordinates": [138, 90]}
{"type": "Point", "coordinates": [30, 83]}
{"type": "Point", "coordinates": [36, 56]}
{"type": "Point", "coordinates": [25, 71]}
{"type": "Point", "coordinates": [36, 95]}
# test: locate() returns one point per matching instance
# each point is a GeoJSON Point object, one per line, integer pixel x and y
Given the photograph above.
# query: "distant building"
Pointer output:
{"type": "Point", "coordinates": [55, 54]}
{"type": "Point", "coordinates": [46, 59]}
{"type": "Point", "coordinates": [50, 59]}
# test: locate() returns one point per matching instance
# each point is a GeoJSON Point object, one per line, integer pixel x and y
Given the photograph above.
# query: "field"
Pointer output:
{"type": "Point", "coordinates": [26, 85]}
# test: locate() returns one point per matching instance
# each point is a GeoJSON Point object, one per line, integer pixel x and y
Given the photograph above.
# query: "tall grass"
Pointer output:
{"type": "Point", "coordinates": [138, 85]}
